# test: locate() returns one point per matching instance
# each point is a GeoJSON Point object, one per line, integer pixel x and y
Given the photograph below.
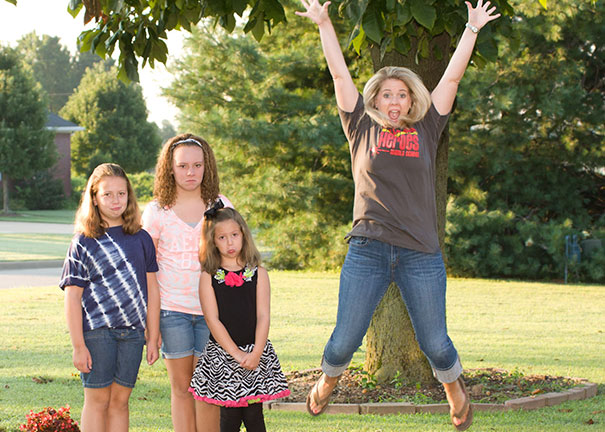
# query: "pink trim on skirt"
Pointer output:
{"type": "Point", "coordinates": [243, 402]}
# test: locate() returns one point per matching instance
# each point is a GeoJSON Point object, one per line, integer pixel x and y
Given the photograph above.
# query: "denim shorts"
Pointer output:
{"type": "Point", "coordinates": [183, 334]}
{"type": "Point", "coordinates": [116, 357]}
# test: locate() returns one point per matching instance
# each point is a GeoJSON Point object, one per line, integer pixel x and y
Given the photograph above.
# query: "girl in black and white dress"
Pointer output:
{"type": "Point", "coordinates": [239, 368]}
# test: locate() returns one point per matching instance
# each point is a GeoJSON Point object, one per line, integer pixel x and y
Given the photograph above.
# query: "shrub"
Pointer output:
{"type": "Point", "coordinates": [142, 184]}
{"type": "Point", "coordinates": [301, 241]}
{"type": "Point", "coordinates": [498, 244]}
{"type": "Point", "coordinates": [40, 192]}
{"type": "Point", "coordinates": [78, 184]}
{"type": "Point", "coordinates": [50, 420]}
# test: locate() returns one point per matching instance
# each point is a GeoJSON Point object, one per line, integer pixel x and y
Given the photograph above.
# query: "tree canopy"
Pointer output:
{"type": "Point", "coordinates": [115, 117]}
{"type": "Point", "coordinates": [25, 145]}
{"type": "Point", "coordinates": [139, 28]}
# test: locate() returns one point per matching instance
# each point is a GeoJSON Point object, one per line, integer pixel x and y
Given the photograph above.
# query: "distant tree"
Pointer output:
{"type": "Point", "coordinates": [115, 117]}
{"type": "Point", "coordinates": [167, 130]}
{"type": "Point", "coordinates": [53, 66]}
{"type": "Point", "coordinates": [268, 111]}
{"type": "Point", "coordinates": [25, 145]}
{"type": "Point", "coordinates": [81, 61]}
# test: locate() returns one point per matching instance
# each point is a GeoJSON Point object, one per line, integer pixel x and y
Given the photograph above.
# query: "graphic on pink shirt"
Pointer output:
{"type": "Point", "coordinates": [177, 256]}
{"type": "Point", "coordinates": [398, 142]}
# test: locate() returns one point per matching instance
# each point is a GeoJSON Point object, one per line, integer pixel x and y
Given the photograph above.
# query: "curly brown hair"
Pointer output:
{"type": "Point", "coordinates": [164, 186]}
{"type": "Point", "coordinates": [88, 219]}
{"type": "Point", "coordinates": [210, 257]}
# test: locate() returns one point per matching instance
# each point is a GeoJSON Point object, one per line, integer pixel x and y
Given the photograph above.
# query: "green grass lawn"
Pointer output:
{"type": "Point", "coordinates": [43, 216]}
{"type": "Point", "coordinates": [26, 247]}
{"type": "Point", "coordinates": [530, 327]}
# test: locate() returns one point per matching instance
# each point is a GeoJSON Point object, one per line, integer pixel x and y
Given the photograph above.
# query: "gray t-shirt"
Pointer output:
{"type": "Point", "coordinates": [394, 175]}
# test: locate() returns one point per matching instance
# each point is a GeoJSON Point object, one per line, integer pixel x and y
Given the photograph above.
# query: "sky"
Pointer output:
{"type": "Point", "coordinates": [51, 17]}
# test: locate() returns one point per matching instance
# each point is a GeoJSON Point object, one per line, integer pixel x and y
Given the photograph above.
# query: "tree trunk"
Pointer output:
{"type": "Point", "coordinates": [5, 193]}
{"type": "Point", "coordinates": [391, 344]}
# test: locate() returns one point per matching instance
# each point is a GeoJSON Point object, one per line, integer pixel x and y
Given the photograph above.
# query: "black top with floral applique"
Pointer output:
{"type": "Point", "coordinates": [235, 293]}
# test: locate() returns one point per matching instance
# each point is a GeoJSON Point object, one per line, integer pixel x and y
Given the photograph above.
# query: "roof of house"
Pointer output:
{"type": "Point", "coordinates": [58, 124]}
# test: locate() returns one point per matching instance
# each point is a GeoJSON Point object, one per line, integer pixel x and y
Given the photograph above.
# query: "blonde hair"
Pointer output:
{"type": "Point", "coordinates": [210, 257]}
{"type": "Point", "coordinates": [88, 219]}
{"type": "Point", "coordinates": [164, 186]}
{"type": "Point", "coordinates": [421, 98]}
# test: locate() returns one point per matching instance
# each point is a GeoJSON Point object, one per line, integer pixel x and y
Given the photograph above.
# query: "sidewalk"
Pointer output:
{"type": "Point", "coordinates": [7, 227]}
{"type": "Point", "coordinates": [28, 277]}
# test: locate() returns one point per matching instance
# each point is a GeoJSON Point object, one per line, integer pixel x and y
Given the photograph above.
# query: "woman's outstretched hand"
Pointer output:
{"type": "Point", "coordinates": [315, 11]}
{"type": "Point", "coordinates": [479, 15]}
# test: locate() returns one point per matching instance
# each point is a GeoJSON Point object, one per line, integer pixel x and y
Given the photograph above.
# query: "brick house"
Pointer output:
{"type": "Point", "coordinates": [63, 130]}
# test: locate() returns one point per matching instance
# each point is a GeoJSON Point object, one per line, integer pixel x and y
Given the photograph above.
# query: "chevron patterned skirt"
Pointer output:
{"type": "Point", "coordinates": [220, 380]}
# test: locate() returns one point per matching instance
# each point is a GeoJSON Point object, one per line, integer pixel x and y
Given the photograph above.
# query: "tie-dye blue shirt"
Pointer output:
{"type": "Point", "coordinates": [112, 270]}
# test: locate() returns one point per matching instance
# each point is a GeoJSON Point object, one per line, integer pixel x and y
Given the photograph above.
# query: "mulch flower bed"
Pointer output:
{"type": "Point", "coordinates": [486, 385]}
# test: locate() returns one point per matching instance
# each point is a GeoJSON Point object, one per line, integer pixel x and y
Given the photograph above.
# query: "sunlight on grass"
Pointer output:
{"type": "Point", "coordinates": [42, 216]}
{"type": "Point", "coordinates": [18, 247]}
{"type": "Point", "coordinates": [530, 327]}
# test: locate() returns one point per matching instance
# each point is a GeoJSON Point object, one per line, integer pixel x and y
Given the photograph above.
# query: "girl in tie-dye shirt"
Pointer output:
{"type": "Point", "coordinates": [111, 297]}
{"type": "Point", "coordinates": [186, 185]}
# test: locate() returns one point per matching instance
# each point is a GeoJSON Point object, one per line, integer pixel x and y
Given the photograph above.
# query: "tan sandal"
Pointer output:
{"type": "Point", "coordinates": [467, 407]}
{"type": "Point", "coordinates": [314, 395]}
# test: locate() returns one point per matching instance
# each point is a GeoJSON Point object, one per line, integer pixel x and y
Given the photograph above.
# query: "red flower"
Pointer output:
{"type": "Point", "coordinates": [50, 420]}
{"type": "Point", "coordinates": [234, 279]}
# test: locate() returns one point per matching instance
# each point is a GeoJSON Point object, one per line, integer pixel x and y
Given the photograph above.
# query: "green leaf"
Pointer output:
{"type": "Point", "coordinates": [258, 27]}
{"type": "Point", "coordinates": [423, 47]}
{"type": "Point", "coordinates": [402, 44]}
{"type": "Point", "coordinates": [73, 7]}
{"type": "Point", "coordinates": [273, 10]}
{"type": "Point", "coordinates": [359, 37]}
{"type": "Point", "coordinates": [170, 18]}
{"type": "Point", "coordinates": [98, 45]}
{"type": "Point", "coordinates": [384, 46]}
{"type": "Point", "coordinates": [372, 24]}
{"type": "Point", "coordinates": [353, 9]}
{"type": "Point", "coordinates": [227, 22]}
{"type": "Point", "coordinates": [404, 14]}
{"type": "Point", "coordinates": [159, 51]}
{"type": "Point", "coordinates": [239, 6]}
{"type": "Point", "coordinates": [424, 14]}
{"type": "Point", "coordinates": [114, 6]}
{"type": "Point", "coordinates": [130, 65]}
{"type": "Point", "coordinates": [85, 39]}
{"type": "Point", "coordinates": [488, 48]}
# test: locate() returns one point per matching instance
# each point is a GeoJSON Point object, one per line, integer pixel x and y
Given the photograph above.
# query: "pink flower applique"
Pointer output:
{"type": "Point", "coordinates": [234, 280]}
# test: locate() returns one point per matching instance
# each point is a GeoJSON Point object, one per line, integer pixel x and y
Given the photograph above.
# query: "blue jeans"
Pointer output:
{"type": "Point", "coordinates": [369, 268]}
{"type": "Point", "coordinates": [116, 356]}
{"type": "Point", "coordinates": [183, 334]}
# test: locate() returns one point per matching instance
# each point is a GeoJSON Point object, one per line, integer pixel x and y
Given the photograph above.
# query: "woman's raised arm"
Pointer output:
{"type": "Point", "coordinates": [444, 94]}
{"type": "Point", "coordinates": [344, 88]}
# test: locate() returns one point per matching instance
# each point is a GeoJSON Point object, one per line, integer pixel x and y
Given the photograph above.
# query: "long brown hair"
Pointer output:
{"type": "Point", "coordinates": [210, 257]}
{"type": "Point", "coordinates": [88, 219]}
{"type": "Point", "coordinates": [164, 186]}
